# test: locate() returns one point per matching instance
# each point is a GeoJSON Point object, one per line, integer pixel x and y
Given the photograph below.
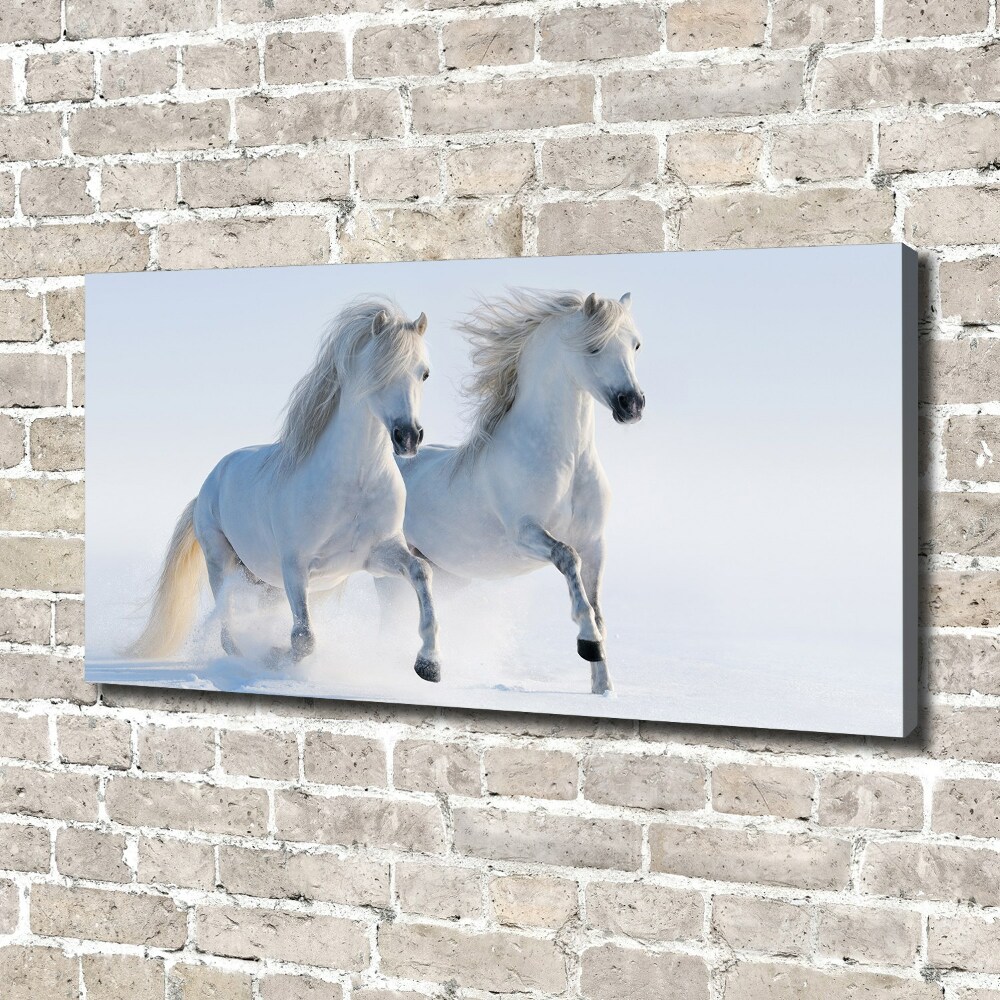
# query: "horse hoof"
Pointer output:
{"type": "Point", "coordinates": [590, 650]}
{"type": "Point", "coordinates": [427, 670]}
{"type": "Point", "coordinates": [303, 644]}
{"type": "Point", "coordinates": [600, 680]}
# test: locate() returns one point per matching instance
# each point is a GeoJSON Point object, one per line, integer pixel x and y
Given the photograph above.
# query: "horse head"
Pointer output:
{"type": "Point", "coordinates": [604, 364]}
{"type": "Point", "coordinates": [396, 363]}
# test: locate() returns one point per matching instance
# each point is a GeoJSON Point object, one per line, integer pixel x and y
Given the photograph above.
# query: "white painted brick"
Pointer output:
{"type": "Point", "coordinates": [143, 71]}
{"type": "Point", "coordinates": [41, 675]}
{"type": "Point", "coordinates": [108, 915]}
{"type": "Point", "coordinates": [492, 41]}
{"type": "Point", "coordinates": [173, 862]}
{"type": "Point", "coordinates": [806, 22]}
{"type": "Point", "coordinates": [391, 174]}
{"type": "Point", "coordinates": [117, 129]}
{"type": "Point", "coordinates": [533, 900]}
{"type": "Point", "coordinates": [285, 936]}
{"type": "Point", "coordinates": [770, 926]}
{"type": "Point", "coordinates": [232, 65]}
{"type": "Point", "coordinates": [56, 191]}
{"type": "Point", "coordinates": [305, 57]}
{"type": "Point", "coordinates": [297, 875]}
{"type": "Point", "coordinates": [600, 33]}
{"type": "Point", "coordinates": [645, 912]}
{"type": "Point", "coordinates": [60, 76]}
{"type": "Point", "coordinates": [257, 242]}
{"type": "Point", "coordinates": [695, 25]}
{"type": "Point", "coordinates": [332, 114]}
{"type": "Point", "coordinates": [497, 961]}
{"type": "Point", "coordinates": [97, 18]}
{"type": "Point", "coordinates": [391, 50]}
{"type": "Point", "coordinates": [611, 971]}
{"type": "Point", "coordinates": [439, 891]}
{"type": "Point", "coordinates": [111, 977]}
{"type": "Point", "coordinates": [490, 169]}
{"type": "Point", "coordinates": [714, 157]}
{"type": "Point", "coordinates": [466, 231]}
{"type": "Point", "coordinates": [37, 22]}
{"type": "Point", "coordinates": [599, 162]}
{"type": "Point", "coordinates": [821, 152]}
{"type": "Point", "coordinates": [126, 186]}
{"type": "Point", "coordinates": [232, 182]}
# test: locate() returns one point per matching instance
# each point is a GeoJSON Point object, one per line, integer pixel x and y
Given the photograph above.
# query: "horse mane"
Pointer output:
{"type": "Point", "coordinates": [314, 399]}
{"type": "Point", "coordinates": [499, 330]}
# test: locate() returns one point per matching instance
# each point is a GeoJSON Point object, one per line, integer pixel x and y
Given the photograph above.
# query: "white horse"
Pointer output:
{"type": "Point", "coordinates": [527, 488]}
{"type": "Point", "coordinates": [324, 502]}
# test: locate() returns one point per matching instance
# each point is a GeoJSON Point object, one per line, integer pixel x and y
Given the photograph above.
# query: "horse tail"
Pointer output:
{"type": "Point", "coordinates": [175, 601]}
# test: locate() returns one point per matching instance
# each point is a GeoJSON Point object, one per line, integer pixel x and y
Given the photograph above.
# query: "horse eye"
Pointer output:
{"type": "Point", "coordinates": [637, 346]}
{"type": "Point", "coordinates": [425, 376]}
{"type": "Point", "coordinates": [595, 350]}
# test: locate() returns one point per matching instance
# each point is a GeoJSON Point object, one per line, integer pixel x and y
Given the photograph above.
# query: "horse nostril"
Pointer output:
{"type": "Point", "coordinates": [622, 400]}
{"type": "Point", "coordinates": [397, 435]}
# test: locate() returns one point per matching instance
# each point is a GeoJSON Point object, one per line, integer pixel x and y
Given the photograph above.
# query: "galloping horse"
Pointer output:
{"type": "Point", "coordinates": [324, 502]}
{"type": "Point", "coordinates": [527, 488]}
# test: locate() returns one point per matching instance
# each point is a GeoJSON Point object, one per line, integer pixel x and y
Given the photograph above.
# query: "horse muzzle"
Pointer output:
{"type": "Point", "coordinates": [406, 439]}
{"type": "Point", "coordinates": [627, 406]}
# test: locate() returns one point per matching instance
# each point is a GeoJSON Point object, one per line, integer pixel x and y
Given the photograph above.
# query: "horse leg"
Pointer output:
{"type": "Point", "coordinates": [393, 558]}
{"type": "Point", "coordinates": [392, 591]}
{"type": "Point", "coordinates": [536, 541]}
{"type": "Point", "coordinates": [296, 583]}
{"type": "Point", "coordinates": [591, 570]}
{"type": "Point", "coordinates": [222, 561]}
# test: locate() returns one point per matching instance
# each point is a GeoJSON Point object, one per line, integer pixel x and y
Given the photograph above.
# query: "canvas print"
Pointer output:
{"type": "Point", "coordinates": [672, 487]}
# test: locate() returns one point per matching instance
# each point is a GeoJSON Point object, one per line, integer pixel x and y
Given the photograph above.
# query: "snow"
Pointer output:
{"type": "Point", "coordinates": [510, 646]}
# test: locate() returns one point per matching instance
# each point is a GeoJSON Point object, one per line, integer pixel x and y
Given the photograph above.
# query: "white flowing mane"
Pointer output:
{"type": "Point", "coordinates": [499, 329]}
{"type": "Point", "coordinates": [314, 399]}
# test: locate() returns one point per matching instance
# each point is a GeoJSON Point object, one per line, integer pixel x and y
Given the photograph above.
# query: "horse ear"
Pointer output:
{"type": "Point", "coordinates": [626, 300]}
{"type": "Point", "coordinates": [421, 324]}
{"type": "Point", "coordinates": [380, 322]}
{"type": "Point", "coordinates": [592, 304]}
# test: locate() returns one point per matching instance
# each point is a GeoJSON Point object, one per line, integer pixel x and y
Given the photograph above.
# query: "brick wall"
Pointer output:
{"type": "Point", "coordinates": [188, 846]}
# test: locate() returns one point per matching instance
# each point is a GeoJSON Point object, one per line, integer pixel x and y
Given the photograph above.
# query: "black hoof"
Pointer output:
{"type": "Point", "coordinates": [427, 670]}
{"type": "Point", "coordinates": [590, 651]}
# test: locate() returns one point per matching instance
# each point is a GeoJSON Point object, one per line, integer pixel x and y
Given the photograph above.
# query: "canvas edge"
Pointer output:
{"type": "Point", "coordinates": [909, 290]}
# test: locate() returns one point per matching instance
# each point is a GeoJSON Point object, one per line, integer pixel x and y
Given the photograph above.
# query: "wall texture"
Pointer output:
{"type": "Point", "coordinates": [199, 846]}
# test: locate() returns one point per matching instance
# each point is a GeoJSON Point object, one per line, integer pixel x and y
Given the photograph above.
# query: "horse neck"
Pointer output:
{"type": "Point", "coordinates": [354, 436]}
{"type": "Point", "coordinates": [549, 405]}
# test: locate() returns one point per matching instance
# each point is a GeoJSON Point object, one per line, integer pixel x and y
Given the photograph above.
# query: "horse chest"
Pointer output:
{"type": "Point", "coordinates": [549, 493]}
{"type": "Point", "coordinates": [373, 513]}
{"type": "Point", "coordinates": [565, 511]}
